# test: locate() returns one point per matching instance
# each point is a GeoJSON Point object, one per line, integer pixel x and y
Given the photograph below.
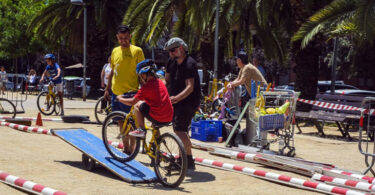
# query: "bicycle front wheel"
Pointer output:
{"type": "Point", "coordinates": [117, 142]}
{"type": "Point", "coordinates": [171, 160]}
{"type": "Point", "coordinates": [7, 108]}
{"type": "Point", "coordinates": [102, 109]}
{"type": "Point", "coordinates": [46, 103]}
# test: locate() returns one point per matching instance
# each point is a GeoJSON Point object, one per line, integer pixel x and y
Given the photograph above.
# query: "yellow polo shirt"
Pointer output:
{"type": "Point", "coordinates": [123, 63]}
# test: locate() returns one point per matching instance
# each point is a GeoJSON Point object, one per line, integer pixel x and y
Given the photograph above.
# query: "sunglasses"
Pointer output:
{"type": "Point", "coordinates": [172, 50]}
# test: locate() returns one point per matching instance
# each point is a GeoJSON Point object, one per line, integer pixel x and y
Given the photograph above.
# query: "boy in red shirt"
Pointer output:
{"type": "Point", "coordinates": [151, 101]}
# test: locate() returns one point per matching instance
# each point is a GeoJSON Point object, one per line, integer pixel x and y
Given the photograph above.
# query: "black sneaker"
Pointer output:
{"type": "Point", "coordinates": [191, 164]}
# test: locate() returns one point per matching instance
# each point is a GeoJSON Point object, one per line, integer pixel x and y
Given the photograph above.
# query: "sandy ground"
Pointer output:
{"type": "Point", "coordinates": [50, 161]}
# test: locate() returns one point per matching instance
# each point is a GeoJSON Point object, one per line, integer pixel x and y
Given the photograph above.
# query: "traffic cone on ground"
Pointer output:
{"type": "Point", "coordinates": [39, 121]}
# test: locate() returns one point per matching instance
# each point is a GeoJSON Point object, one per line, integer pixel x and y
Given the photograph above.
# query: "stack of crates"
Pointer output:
{"type": "Point", "coordinates": [206, 130]}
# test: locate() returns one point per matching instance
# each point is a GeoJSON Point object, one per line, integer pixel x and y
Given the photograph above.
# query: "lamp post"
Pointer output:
{"type": "Point", "coordinates": [80, 2]}
{"type": "Point", "coordinates": [216, 55]}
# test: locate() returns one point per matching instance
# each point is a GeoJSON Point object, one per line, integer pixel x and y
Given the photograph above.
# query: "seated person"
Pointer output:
{"type": "Point", "coordinates": [151, 101]}
{"type": "Point", "coordinates": [32, 78]}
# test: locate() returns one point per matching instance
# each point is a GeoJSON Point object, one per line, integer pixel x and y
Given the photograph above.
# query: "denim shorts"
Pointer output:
{"type": "Point", "coordinates": [118, 106]}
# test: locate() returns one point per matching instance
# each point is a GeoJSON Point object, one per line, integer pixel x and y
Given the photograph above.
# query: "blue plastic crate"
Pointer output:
{"type": "Point", "coordinates": [271, 121]}
{"type": "Point", "coordinates": [206, 130]}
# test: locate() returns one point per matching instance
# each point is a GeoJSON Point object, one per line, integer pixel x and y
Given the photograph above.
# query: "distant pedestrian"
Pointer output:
{"type": "Point", "coordinates": [3, 79]}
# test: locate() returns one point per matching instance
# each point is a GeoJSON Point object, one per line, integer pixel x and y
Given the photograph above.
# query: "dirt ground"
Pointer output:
{"type": "Point", "coordinates": [50, 161]}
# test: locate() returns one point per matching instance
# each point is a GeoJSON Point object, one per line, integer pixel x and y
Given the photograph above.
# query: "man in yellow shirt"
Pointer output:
{"type": "Point", "coordinates": [123, 79]}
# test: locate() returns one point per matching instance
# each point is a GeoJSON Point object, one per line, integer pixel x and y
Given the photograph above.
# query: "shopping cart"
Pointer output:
{"type": "Point", "coordinates": [366, 140]}
{"type": "Point", "coordinates": [279, 123]}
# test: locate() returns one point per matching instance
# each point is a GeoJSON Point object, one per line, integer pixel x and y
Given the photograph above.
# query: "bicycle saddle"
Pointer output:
{"type": "Point", "coordinates": [159, 125]}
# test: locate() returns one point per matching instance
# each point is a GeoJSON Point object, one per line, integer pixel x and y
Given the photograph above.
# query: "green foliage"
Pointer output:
{"type": "Point", "coordinates": [196, 23]}
{"type": "Point", "coordinates": [14, 18]}
{"type": "Point", "coordinates": [341, 18]}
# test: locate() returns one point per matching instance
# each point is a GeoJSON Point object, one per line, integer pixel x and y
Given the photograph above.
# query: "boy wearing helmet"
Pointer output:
{"type": "Point", "coordinates": [151, 101]}
{"type": "Point", "coordinates": [55, 73]}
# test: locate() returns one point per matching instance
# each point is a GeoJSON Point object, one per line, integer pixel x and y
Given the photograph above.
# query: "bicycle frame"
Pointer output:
{"type": "Point", "coordinates": [155, 133]}
{"type": "Point", "coordinates": [51, 93]}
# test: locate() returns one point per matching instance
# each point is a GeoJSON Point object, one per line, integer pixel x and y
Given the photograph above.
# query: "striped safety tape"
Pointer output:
{"type": "Point", "coordinates": [370, 180]}
{"type": "Point", "coordinates": [337, 106]}
{"type": "Point", "coordinates": [279, 178]}
{"type": "Point", "coordinates": [28, 185]}
{"type": "Point", "coordinates": [26, 128]}
{"type": "Point", "coordinates": [32, 118]}
{"type": "Point", "coordinates": [258, 158]}
{"type": "Point", "coordinates": [345, 182]}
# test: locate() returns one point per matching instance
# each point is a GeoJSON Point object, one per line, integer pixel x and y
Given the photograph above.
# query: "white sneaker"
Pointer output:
{"type": "Point", "coordinates": [138, 133]}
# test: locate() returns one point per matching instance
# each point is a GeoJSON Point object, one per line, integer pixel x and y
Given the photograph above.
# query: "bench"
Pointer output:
{"type": "Point", "coordinates": [343, 118]}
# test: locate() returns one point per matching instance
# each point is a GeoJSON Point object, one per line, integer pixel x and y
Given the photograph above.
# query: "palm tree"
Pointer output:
{"type": "Point", "coordinates": [341, 18]}
{"type": "Point", "coordinates": [352, 18]}
{"type": "Point", "coordinates": [60, 25]}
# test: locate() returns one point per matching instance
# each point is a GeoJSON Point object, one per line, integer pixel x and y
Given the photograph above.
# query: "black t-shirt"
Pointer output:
{"type": "Point", "coordinates": [178, 74]}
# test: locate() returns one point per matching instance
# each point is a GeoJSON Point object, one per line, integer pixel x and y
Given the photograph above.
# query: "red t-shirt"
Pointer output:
{"type": "Point", "coordinates": [155, 94]}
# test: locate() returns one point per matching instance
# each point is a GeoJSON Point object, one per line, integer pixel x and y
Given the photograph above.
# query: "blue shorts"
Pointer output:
{"type": "Point", "coordinates": [118, 106]}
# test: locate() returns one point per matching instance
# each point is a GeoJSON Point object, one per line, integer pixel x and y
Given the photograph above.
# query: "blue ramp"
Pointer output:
{"type": "Point", "coordinates": [92, 146]}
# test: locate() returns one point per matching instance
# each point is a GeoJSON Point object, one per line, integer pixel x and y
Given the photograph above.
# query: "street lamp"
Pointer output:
{"type": "Point", "coordinates": [80, 2]}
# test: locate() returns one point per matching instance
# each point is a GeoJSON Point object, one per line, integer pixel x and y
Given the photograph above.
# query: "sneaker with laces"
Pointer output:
{"type": "Point", "coordinates": [138, 133]}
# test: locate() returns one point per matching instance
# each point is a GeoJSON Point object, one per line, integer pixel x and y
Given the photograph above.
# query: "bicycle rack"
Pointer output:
{"type": "Point", "coordinates": [368, 104]}
{"type": "Point", "coordinates": [16, 94]}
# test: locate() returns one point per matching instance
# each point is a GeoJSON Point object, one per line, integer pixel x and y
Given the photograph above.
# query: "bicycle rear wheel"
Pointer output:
{"type": "Point", "coordinates": [7, 108]}
{"type": "Point", "coordinates": [114, 141]}
{"type": "Point", "coordinates": [102, 109]}
{"type": "Point", "coordinates": [46, 103]}
{"type": "Point", "coordinates": [171, 160]}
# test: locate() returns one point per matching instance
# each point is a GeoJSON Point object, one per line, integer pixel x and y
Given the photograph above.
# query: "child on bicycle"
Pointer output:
{"type": "Point", "coordinates": [53, 69]}
{"type": "Point", "coordinates": [151, 101]}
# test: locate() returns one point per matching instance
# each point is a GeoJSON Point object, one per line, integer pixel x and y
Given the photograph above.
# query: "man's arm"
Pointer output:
{"type": "Point", "coordinates": [186, 92]}
{"type": "Point", "coordinates": [102, 76]}
{"type": "Point", "coordinates": [167, 79]}
{"type": "Point", "coordinates": [109, 85]}
{"type": "Point", "coordinates": [127, 101]}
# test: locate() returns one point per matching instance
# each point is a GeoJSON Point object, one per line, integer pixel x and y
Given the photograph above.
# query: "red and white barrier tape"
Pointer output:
{"type": "Point", "coordinates": [370, 180]}
{"type": "Point", "coordinates": [26, 128]}
{"type": "Point", "coordinates": [279, 178]}
{"type": "Point", "coordinates": [345, 182]}
{"type": "Point", "coordinates": [32, 118]}
{"type": "Point", "coordinates": [28, 185]}
{"type": "Point", "coordinates": [258, 158]}
{"type": "Point", "coordinates": [337, 106]}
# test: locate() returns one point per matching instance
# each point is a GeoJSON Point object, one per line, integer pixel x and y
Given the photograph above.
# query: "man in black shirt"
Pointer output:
{"type": "Point", "coordinates": [184, 89]}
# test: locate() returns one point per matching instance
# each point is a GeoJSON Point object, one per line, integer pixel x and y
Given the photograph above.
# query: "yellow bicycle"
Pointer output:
{"type": "Point", "coordinates": [166, 150]}
{"type": "Point", "coordinates": [47, 102]}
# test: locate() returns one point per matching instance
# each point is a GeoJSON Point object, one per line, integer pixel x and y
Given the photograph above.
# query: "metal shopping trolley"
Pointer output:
{"type": "Point", "coordinates": [366, 141]}
{"type": "Point", "coordinates": [273, 112]}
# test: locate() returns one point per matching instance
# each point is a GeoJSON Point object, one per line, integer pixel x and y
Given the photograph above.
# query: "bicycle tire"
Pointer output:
{"type": "Point", "coordinates": [111, 134]}
{"type": "Point", "coordinates": [100, 117]}
{"type": "Point", "coordinates": [216, 105]}
{"type": "Point", "coordinates": [41, 96]}
{"type": "Point", "coordinates": [167, 162]}
{"type": "Point", "coordinates": [7, 108]}
{"type": "Point", "coordinates": [57, 105]}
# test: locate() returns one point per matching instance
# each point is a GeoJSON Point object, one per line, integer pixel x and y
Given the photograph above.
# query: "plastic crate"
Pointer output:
{"type": "Point", "coordinates": [206, 130]}
{"type": "Point", "coordinates": [271, 121]}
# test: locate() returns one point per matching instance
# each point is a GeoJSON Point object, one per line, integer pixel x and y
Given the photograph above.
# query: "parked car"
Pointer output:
{"type": "Point", "coordinates": [74, 84]}
{"type": "Point", "coordinates": [323, 86]}
{"type": "Point", "coordinates": [15, 81]}
{"type": "Point", "coordinates": [354, 92]}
